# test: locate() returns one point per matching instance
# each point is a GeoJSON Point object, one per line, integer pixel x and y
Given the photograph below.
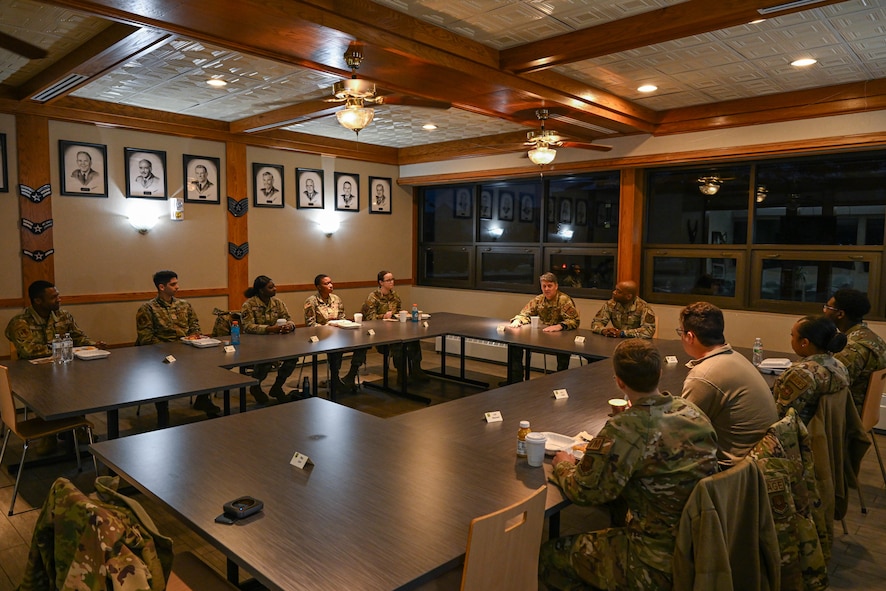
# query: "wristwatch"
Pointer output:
{"type": "Point", "coordinates": [563, 326]}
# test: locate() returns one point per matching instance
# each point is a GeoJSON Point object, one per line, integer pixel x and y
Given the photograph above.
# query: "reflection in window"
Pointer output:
{"type": "Point", "coordinates": [510, 212]}
{"type": "Point", "coordinates": [583, 270]}
{"type": "Point", "coordinates": [446, 264]}
{"type": "Point", "coordinates": [811, 281]}
{"type": "Point", "coordinates": [447, 214]}
{"type": "Point", "coordinates": [583, 209]}
{"type": "Point", "coordinates": [697, 276]}
{"type": "Point", "coordinates": [508, 267]}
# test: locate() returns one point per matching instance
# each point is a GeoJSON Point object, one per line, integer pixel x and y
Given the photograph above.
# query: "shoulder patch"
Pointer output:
{"type": "Point", "coordinates": [649, 318]}
{"type": "Point", "coordinates": [798, 381]}
{"type": "Point", "coordinates": [599, 445]}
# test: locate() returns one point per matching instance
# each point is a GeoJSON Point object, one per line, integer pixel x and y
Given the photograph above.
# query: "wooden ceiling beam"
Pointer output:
{"type": "Point", "coordinates": [642, 30]}
{"type": "Point", "coordinates": [284, 116]}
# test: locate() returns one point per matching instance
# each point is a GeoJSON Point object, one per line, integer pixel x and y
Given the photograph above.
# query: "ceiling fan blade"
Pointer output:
{"type": "Point", "coordinates": [414, 101]}
{"type": "Point", "coordinates": [586, 146]}
{"type": "Point", "coordinates": [22, 48]}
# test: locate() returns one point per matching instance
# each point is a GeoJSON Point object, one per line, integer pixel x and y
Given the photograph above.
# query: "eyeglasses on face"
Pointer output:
{"type": "Point", "coordinates": [825, 308]}
{"type": "Point", "coordinates": [391, 280]}
{"type": "Point", "coordinates": [680, 332]}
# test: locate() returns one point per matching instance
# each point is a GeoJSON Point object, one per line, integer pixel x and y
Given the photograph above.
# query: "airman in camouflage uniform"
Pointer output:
{"type": "Point", "coordinates": [650, 457]}
{"type": "Point", "coordinates": [385, 303]}
{"type": "Point", "coordinates": [807, 380]}
{"type": "Point", "coordinates": [32, 331]}
{"type": "Point", "coordinates": [630, 316]}
{"type": "Point", "coordinates": [320, 308]}
{"type": "Point", "coordinates": [865, 352]}
{"type": "Point", "coordinates": [556, 310]}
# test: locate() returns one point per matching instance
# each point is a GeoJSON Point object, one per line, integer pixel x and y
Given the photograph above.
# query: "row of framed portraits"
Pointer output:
{"type": "Point", "coordinates": [84, 172]}
{"type": "Point", "coordinates": [507, 206]}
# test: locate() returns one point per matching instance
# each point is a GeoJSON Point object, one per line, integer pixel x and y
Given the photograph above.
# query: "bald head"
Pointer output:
{"type": "Point", "coordinates": [625, 292]}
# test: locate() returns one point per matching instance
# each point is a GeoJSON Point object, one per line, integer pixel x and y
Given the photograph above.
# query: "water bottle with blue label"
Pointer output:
{"type": "Point", "coordinates": [415, 312]}
{"type": "Point", "coordinates": [235, 333]}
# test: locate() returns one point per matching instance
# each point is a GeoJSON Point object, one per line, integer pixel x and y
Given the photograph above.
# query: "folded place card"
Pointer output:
{"type": "Point", "coordinates": [560, 393]}
{"type": "Point", "coordinates": [230, 349]}
{"type": "Point", "coordinates": [314, 339]}
{"type": "Point", "coordinates": [579, 340]}
{"type": "Point", "coordinates": [493, 416]}
{"type": "Point", "coordinates": [370, 332]}
{"type": "Point", "coordinates": [671, 359]}
{"type": "Point", "coordinates": [300, 460]}
{"type": "Point", "coordinates": [169, 359]}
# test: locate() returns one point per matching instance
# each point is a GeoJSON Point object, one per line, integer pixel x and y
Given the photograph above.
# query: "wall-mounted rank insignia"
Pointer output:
{"type": "Point", "coordinates": [238, 252]}
{"type": "Point", "coordinates": [37, 227]}
{"type": "Point", "coordinates": [238, 208]}
{"type": "Point", "coordinates": [35, 195]}
{"type": "Point", "coordinates": [39, 255]}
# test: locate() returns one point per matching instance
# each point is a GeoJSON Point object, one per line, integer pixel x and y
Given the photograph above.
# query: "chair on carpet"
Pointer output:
{"type": "Point", "coordinates": [870, 416]}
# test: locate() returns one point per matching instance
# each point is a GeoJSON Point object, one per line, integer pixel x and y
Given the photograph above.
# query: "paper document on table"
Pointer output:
{"type": "Point", "coordinates": [41, 360]}
{"type": "Point", "coordinates": [344, 324]}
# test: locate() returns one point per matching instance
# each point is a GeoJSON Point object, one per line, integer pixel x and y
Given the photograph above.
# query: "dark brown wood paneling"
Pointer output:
{"type": "Point", "coordinates": [33, 171]}
{"type": "Point", "coordinates": [238, 229]}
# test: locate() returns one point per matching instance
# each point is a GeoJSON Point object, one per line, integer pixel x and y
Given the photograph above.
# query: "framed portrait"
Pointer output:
{"type": "Point", "coordinates": [310, 188]}
{"type": "Point", "coordinates": [506, 206]}
{"type": "Point", "coordinates": [464, 203]}
{"type": "Point", "coordinates": [380, 195]}
{"type": "Point", "coordinates": [83, 169]}
{"type": "Point", "coordinates": [527, 208]}
{"type": "Point", "coordinates": [486, 205]}
{"type": "Point", "coordinates": [347, 191]}
{"type": "Point", "coordinates": [551, 209]}
{"type": "Point", "coordinates": [267, 185]}
{"type": "Point", "coordinates": [565, 210]}
{"type": "Point", "coordinates": [581, 212]}
{"type": "Point", "coordinates": [201, 179]}
{"type": "Point", "coordinates": [145, 173]}
{"type": "Point", "coordinates": [4, 165]}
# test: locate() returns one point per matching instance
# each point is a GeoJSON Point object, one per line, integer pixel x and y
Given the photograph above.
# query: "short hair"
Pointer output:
{"type": "Point", "coordinates": [267, 173]}
{"type": "Point", "coordinates": [260, 282]}
{"type": "Point", "coordinates": [821, 332]}
{"type": "Point", "coordinates": [705, 321]}
{"type": "Point", "coordinates": [145, 161]}
{"type": "Point", "coordinates": [164, 277]}
{"type": "Point", "coordinates": [36, 289]}
{"type": "Point", "coordinates": [319, 278]}
{"type": "Point", "coordinates": [381, 275]}
{"type": "Point", "coordinates": [637, 363]}
{"type": "Point", "coordinates": [84, 153]}
{"type": "Point", "coordinates": [853, 302]}
{"type": "Point", "coordinates": [199, 166]}
{"type": "Point", "coordinates": [550, 277]}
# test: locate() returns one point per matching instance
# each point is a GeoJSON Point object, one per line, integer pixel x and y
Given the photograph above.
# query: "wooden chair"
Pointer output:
{"type": "Point", "coordinates": [870, 416]}
{"type": "Point", "coordinates": [190, 573]}
{"type": "Point", "coordinates": [31, 429]}
{"type": "Point", "coordinates": [502, 550]}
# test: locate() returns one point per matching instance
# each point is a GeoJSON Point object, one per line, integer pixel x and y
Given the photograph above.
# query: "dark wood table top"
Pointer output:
{"type": "Point", "coordinates": [382, 505]}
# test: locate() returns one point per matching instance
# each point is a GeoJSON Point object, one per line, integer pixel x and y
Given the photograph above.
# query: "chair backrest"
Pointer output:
{"type": "Point", "coordinates": [870, 412]}
{"type": "Point", "coordinates": [13, 352]}
{"type": "Point", "coordinates": [503, 547]}
{"type": "Point", "coordinates": [7, 404]}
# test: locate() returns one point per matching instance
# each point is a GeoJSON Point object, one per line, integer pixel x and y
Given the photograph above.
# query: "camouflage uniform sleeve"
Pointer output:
{"type": "Point", "coordinates": [601, 319]}
{"type": "Point", "coordinates": [852, 356]}
{"type": "Point", "coordinates": [249, 321]}
{"type": "Point", "coordinates": [193, 322]}
{"type": "Point", "coordinates": [79, 337]}
{"type": "Point", "coordinates": [569, 316]}
{"type": "Point", "coordinates": [647, 324]}
{"type": "Point", "coordinates": [791, 388]}
{"type": "Point", "coordinates": [144, 326]}
{"type": "Point", "coordinates": [282, 310]}
{"type": "Point", "coordinates": [602, 474]}
{"type": "Point", "coordinates": [310, 312]}
{"type": "Point", "coordinates": [530, 309]}
{"type": "Point", "coordinates": [341, 308]}
{"type": "Point", "coordinates": [368, 309]}
{"type": "Point", "coordinates": [28, 343]}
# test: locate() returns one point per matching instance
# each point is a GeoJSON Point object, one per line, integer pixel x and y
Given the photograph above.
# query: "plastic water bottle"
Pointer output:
{"type": "Point", "coordinates": [415, 312]}
{"type": "Point", "coordinates": [758, 352]}
{"type": "Point", "coordinates": [67, 348]}
{"type": "Point", "coordinates": [235, 333]}
{"type": "Point", "coordinates": [57, 349]}
{"type": "Point", "coordinates": [306, 387]}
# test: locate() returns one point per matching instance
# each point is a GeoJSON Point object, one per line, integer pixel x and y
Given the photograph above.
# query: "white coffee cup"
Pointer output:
{"type": "Point", "coordinates": [618, 405]}
{"type": "Point", "coordinates": [535, 448]}
{"type": "Point", "coordinates": [533, 322]}
{"type": "Point", "coordinates": [358, 318]}
{"type": "Point", "coordinates": [282, 322]}
{"type": "Point", "coordinates": [402, 315]}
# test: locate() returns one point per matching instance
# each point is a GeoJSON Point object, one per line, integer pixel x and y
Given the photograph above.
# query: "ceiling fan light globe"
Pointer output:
{"type": "Point", "coordinates": [542, 155]}
{"type": "Point", "coordinates": [355, 117]}
{"type": "Point", "coordinates": [709, 185]}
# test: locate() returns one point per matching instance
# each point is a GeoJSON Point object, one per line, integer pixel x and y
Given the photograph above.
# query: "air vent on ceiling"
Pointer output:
{"type": "Point", "coordinates": [788, 6]}
{"type": "Point", "coordinates": [59, 88]}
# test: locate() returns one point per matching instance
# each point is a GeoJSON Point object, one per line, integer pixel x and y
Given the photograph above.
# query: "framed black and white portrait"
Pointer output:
{"type": "Point", "coordinates": [379, 195]}
{"type": "Point", "coordinates": [506, 206]}
{"type": "Point", "coordinates": [565, 210]}
{"type": "Point", "coordinates": [310, 188]}
{"type": "Point", "coordinates": [463, 203]}
{"type": "Point", "coordinates": [527, 208]}
{"type": "Point", "coordinates": [551, 208]}
{"type": "Point", "coordinates": [201, 179]}
{"type": "Point", "coordinates": [347, 191]}
{"type": "Point", "coordinates": [4, 165]}
{"type": "Point", "coordinates": [267, 185]}
{"type": "Point", "coordinates": [145, 173]}
{"type": "Point", "coordinates": [83, 169]}
{"type": "Point", "coordinates": [486, 204]}
{"type": "Point", "coordinates": [581, 212]}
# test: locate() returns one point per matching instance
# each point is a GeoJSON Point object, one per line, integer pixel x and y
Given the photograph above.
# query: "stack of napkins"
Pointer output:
{"type": "Point", "coordinates": [344, 324]}
{"type": "Point", "coordinates": [774, 365]}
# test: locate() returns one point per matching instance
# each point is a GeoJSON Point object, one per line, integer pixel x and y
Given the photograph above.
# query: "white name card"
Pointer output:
{"type": "Point", "coordinates": [425, 323]}
{"type": "Point", "coordinates": [370, 332]}
{"type": "Point", "coordinates": [300, 460]}
{"type": "Point", "coordinates": [579, 340]}
{"type": "Point", "coordinates": [169, 359]}
{"type": "Point", "coordinates": [561, 393]}
{"type": "Point", "coordinates": [671, 359]}
{"type": "Point", "coordinates": [230, 349]}
{"type": "Point", "coordinates": [501, 328]}
{"type": "Point", "coordinates": [314, 339]}
{"type": "Point", "coordinates": [494, 416]}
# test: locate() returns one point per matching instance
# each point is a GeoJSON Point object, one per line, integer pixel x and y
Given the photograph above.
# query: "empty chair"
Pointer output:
{"type": "Point", "coordinates": [870, 416]}
{"type": "Point", "coordinates": [31, 429]}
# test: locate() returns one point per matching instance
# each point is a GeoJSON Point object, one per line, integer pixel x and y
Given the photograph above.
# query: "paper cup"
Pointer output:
{"type": "Point", "coordinates": [533, 322]}
{"type": "Point", "coordinates": [402, 315]}
{"type": "Point", "coordinates": [282, 322]}
{"type": "Point", "coordinates": [618, 405]}
{"type": "Point", "coordinates": [358, 318]}
{"type": "Point", "coordinates": [535, 449]}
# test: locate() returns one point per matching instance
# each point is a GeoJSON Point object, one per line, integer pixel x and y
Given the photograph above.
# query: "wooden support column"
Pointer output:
{"type": "Point", "coordinates": [630, 225]}
{"type": "Point", "coordinates": [238, 232]}
{"type": "Point", "coordinates": [32, 134]}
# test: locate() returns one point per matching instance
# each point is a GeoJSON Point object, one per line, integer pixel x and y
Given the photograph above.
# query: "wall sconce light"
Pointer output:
{"type": "Point", "coordinates": [143, 221]}
{"type": "Point", "coordinates": [329, 224]}
{"type": "Point", "coordinates": [496, 232]}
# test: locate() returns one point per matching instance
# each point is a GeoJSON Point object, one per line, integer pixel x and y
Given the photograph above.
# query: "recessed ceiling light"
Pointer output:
{"type": "Point", "coordinates": [216, 82]}
{"type": "Point", "coordinates": [648, 88]}
{"type": "Point", "coordinates": [429, 127]}
{"type": "Point", "coordinates": [806, 61]}
{"type": "Point", "coordinates": [757, 22]}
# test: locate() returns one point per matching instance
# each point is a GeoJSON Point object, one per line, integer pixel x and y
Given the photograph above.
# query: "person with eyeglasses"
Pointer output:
{"type": "Point", "coordinates": [384, 302]}
{"type": "Point", "coordinates": [724, 384]}
{"type": "Point", "coordinates": [865, 351]}
{"type": "Point", "coordinates": [630, 316]}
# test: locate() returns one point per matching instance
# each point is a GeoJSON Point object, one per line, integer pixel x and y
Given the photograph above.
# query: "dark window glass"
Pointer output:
{"type": "Point", "coordinates": [510, 212]}
{"type": "Point", "coordinates": [828, 200]}
{"type": "Point", "coordinates": [697, 276]}
{"type": "Point", "coordinates": [447, 264]}
{"type": "Point", "coordinates": [586, 271]}
{"type": "Point", "coordinates": [698, 206]}
{"type": "Point", "coordinates": [447, 214]}
{"type": "Point", "coordinates": [810, 280]}
{"type": "Point", "coordinates": [583, 209]}
{"type": "Point", "coordinates": [516, 268]}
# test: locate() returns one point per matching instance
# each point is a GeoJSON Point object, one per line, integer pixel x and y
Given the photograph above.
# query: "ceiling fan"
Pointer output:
{"type": "Point", "coordinates": [541, 142]}
{"type": "Point", "coordinates": [356, 93]}
{"type": "Point", "coordinates": [22, 48]}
